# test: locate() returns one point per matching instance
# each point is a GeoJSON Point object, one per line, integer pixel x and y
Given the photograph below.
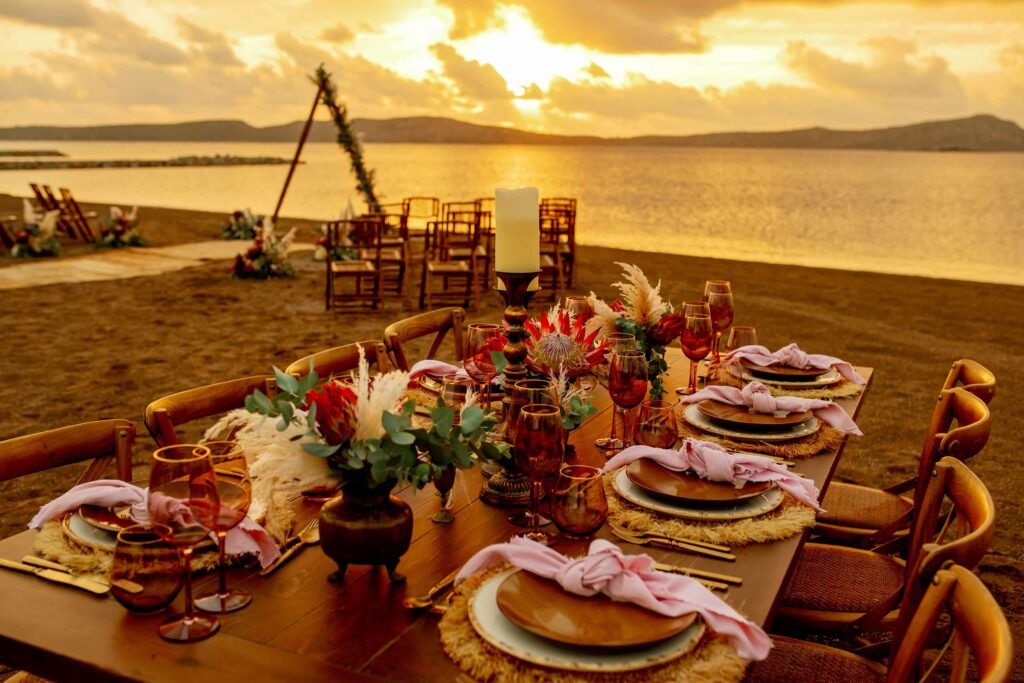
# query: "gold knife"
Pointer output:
{"type": "Point", "coordinates": [48, 564]}
{"type": "Point", "coordinates": [56, 576]}
{"type": "Point", "coordinates": [698, 573]}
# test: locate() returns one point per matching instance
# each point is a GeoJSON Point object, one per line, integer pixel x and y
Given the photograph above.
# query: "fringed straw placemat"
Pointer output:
{"type": "Point", "coordinates": [842, 389]}
{"type": "Point", "coordinates": [826, 440]}
{"type": "Point", "coordinates": [787, 520]}
{"type": "Point", "coordinates": [53, 543]}
{"type": "Point", "coordinates": [712, 661]}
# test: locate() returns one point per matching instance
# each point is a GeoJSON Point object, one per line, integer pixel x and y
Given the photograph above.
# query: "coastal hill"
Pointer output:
{"type": "Point", "coordinates": [982, 132]}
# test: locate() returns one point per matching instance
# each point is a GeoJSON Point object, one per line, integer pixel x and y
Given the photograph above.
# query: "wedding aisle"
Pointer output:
{"type": "Point", "coordinates": [120, 264]}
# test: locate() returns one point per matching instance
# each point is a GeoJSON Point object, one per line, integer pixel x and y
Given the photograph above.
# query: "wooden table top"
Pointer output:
{"type": "Point", "coordinates": [300, 627]}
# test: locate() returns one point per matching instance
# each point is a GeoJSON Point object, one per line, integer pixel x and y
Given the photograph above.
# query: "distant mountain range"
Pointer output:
{"type": "Point", "coordinates": [976, 133]}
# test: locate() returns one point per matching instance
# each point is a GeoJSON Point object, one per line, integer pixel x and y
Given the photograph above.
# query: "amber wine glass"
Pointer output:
{"type": "Point", "coordinates": [234, 487]}
{"type": "Point", "coordinates": [740, 335]}
{"type": "Point", "coordinates": [656, 424]}
{"type": "Point", "coordinates": [721, 305]}
{"type": "Point", "coordinates": [580, 308]}
{"type": "Point", "coordinates": [578, 503]}
{"type": "Point", "coordinates": [627, 385]}
{"type": "Point", "coordinates": [525, 392]}
{"type": "Point", "coordinates": [184, 505]}
{"type": "Point", "coordinates": [696, 339]}
{"type": "Point", "coordinates": [539, 449]}
{"type": "Point", "coordinates": [481, 340]}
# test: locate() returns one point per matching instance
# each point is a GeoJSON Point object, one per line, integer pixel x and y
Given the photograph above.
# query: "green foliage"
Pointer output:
{"type": "Point", "coordinates": [578, 410]}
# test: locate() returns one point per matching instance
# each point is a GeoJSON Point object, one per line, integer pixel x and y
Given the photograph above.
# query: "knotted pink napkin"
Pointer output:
{"type": "Point", "coordinates": [626, 578]}
{"type": "Point", "coordinates": [759, 399]}
{"type": "Point", "coordinates": [248, 538]}
{"type": "Point", "coordinates": [438, 368]}
{"type": "Point", "coordinates": [791, 356]}
{"type": "Point", "coordinates": [714, 463]}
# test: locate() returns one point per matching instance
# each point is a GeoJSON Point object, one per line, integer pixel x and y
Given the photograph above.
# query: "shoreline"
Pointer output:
{"type": "Point", "coordinates": [214, 160]}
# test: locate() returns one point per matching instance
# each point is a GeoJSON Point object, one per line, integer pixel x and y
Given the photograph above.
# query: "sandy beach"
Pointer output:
{"type": "Point", "coordinates": [72, 353]}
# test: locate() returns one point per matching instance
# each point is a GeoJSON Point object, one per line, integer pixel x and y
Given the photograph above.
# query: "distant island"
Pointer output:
{"type": "Point", "coordinates": [981, 133]}
{"type": "Point", "coordinates": [215, 160]}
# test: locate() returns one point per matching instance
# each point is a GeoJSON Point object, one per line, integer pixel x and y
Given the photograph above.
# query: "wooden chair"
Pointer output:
{"type": "Point", "coordinates": [451, 257]}
{"type": "Point", "coordinates": [165, 414]}
{"type": "Point", "coordinates": [438, 322]}
{"type": "Point", "coordinates": [78, 218]}
{"type": "Point", "coordinates": [856, 591]}
{"type": "Point", "coordinates": [366, 272]}
{"type": "Point", "coordinates": [6, 236]}
{"type": "Point", "coordinates": [552, 275]}
{"type": "Point", "coordinates": [562, 211]}
{"type": "Point", "coordinates": [341, 359]}
{"type": "Point", "coordinates": [394, 250]}
{"type": "Point", "coordinates": [47, 202]}
{"type": "Point", "coordinates": [977, 626]}
{"type": "Point", "coordinates": [867, 516]}
{"type": "Point", "coordinates": [103, 441]}
{"type": "Point", "coordinates": [419, 211]}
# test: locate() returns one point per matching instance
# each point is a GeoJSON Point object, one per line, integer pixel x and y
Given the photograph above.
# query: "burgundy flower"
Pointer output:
{"type": "Point", "coordinates": [22, 236]}
{"type": "Point", "coordinates": [335, 412]}
{"type": "Point", "coordinates": [254, 252]}
{"type": "Point", "coordinates": [667, 329]}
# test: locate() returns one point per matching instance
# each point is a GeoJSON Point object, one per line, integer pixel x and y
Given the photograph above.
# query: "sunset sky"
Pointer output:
{"type": "Point", "coordinates": [606, 67]}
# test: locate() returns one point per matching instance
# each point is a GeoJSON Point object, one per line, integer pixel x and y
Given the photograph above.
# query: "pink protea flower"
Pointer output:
{"type": "Point", "coordinates": [560, 344]}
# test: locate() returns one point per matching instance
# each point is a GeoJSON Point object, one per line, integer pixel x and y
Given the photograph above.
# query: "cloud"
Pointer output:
{"type": "Point", "coordinates": [640, 97]}
{"type": "Point", "coordinates": [894, 71]}
{"type": "Point", "coordinates": [339, 33]}
{"type": "Point", "coordinates": [213, 46]}
{"type": "Point", "coordinates": [55, 13]}
{"type": "Point", "coordinates": [472, 78]}
{"type": "Point", "coordinates": [594, 70]}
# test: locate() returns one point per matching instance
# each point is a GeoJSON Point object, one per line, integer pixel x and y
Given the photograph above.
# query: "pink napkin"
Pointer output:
{"type": "Point", "coordinates": [626, 578]}
{"type": "Point", "coordinates": [439, 368]}
{"type": "Point", "coordinates": [714, 463]}
{"type": "Point", "coordinates": [246, 538]}
{"type": "Point", "coordinates": [791, 356]}
{"type": "Point", "coordinates": [758, 397]}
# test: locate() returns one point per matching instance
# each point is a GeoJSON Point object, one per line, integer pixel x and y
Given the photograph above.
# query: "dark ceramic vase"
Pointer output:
{"type": "Point", "coordinates": [365, 524]}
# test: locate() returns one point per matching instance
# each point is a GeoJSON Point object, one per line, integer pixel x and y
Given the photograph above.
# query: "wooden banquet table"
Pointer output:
{"type": "Point", "coordinates": [299, 627]}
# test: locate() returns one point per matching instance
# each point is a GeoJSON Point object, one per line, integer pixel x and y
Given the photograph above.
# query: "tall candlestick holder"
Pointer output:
{"type": "Point", "coordinates": [510, 487]}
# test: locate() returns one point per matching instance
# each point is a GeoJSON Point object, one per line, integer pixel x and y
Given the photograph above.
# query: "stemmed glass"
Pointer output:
{"type": "Point", "coordinates": [235, 490]}
{"type": "Point", "coordinates": [183, 505]}
{"type": "Point", "coordinates": [620, 341]}
{"type": "Point", "coordinates": [718, 295]}
{"type": "Point", "coordinates": [578, 503]}
{"type": "Point", "coordinates": [539, 449]}
{"type": "Point", "coordinates": [454, 389]}
{"type": "Point", "coordinates": [481, 340]}
{"type": "Point", "coordinates": [525, 392]}
{"type": "Point", "coordinates": [580, 308]}
{"type": "Point", "coordinates": [656, 424]}
{"type": "Point", "coordinates": [627, 384]}
{"type": "Point", "coordinates": [696, 339]}
{"type": "Point", "coordinates": [741, 335]}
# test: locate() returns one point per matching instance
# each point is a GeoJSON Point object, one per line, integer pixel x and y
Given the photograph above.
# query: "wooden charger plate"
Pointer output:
{"type": "Point", "coordinates": [107, 519]}
{"type": "Point", "coordinates": [653, 478]}
{"type": "Point", "coordinates": [743, 416]}
{"type": "Point", "coordinates": [783, 371]}
{"type": "Point", "coordinates": [544, 608]}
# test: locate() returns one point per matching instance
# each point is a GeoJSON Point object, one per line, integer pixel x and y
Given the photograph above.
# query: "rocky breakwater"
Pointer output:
{"type": "Point", "coordinates": [216, 160]}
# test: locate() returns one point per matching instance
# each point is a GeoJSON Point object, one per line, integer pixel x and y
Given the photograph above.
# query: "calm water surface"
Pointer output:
{"type": "Point", "coordinates": [951, 215]}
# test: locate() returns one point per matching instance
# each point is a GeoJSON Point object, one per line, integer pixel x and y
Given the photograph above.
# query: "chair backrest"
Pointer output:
{"type": "Point", "coordinates": [77, 216]}
{"type": "Point", "coordinates": [103, 441]}
{"type": "Point", "coordinates": [977, 627]}
{"type": "Point", "coordinates": [447, 234]}
{"type": "Point", "coordinates": [341, 359]}
{"type": "Point", "coordinates": [422, 207]}
{"type": "Point", "coordinates": [974, 377]}
{"type": "Point", "coordinates": [437, 322]}
{"type": "Point", "coordinates": [164, 414]}
{"type": "Point", "coordinates": [44, 202]}
{"type": "Point", "coordinates": [6, 237]}
{"type": "Point", "coordinates": [962, 537]}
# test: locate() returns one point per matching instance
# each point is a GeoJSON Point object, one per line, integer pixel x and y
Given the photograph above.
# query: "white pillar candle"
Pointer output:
{"type": "Point", "coordinates": [517, 230]}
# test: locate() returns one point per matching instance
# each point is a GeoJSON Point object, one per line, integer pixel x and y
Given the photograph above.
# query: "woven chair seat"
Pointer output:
{"type": "Point", "coordinates": [456, 267]}
{"type": "Point", "coordinates": [464, 252]}
{"type": "Point", "coordinates": [796, 660]}
{"type": "Point", "coordinates": [352, 267]}
{"type": "Point", "coordinates": [387, 255]}
{"type": "Point", "coordinates": [832, 578]}
{"type": "Point", "coordinates": [862, 507]}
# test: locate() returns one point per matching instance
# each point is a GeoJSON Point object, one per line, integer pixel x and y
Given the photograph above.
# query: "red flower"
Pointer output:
{"type": "Point", "coordinates": [118, 229]}
{"type": "Point", "coordinates": [322, 242]}
{"type": "Point", "coordinates": [618, 306]}
{"type": "Point", "coordinates": [254, 252]}
{"type": "Point", "coordinates": [667, 329]}
{"type": "Point", "coordinates": [335, 411]}
{"type": "Point", "coordinates": [22, 236]}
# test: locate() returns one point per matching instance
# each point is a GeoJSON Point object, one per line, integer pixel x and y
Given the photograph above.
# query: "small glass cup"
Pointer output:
{"type": "Point", "coordinates": [656, 424]}
{"type": "Point", "coordinates": [580, 308]}
{"type": "Point", "coordinates": [578, 503]}
{"type": "Point", "coordinates": [740, 335]}
{"type": "Point", "coordinates": [145, 572]}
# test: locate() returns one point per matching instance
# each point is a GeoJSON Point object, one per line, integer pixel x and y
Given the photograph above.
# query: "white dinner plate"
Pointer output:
{"type": "Point", "coordinates": [743, 509]}
{"type": "Point", "coordinates": [695, 417]}
{"type": "Point", "coordinates": [496, 629]}
{"type": "Point", "coordinates": [86, 534]}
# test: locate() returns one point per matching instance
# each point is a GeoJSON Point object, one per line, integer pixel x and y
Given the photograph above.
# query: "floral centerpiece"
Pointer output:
{"type": "Point", "coordinates": [241, 225]}
{"type": "Point", "coordinates": [121, 229]}
{"type": "Point", "coordinates": [643, 313]}
{"type": "Point", "coordinates": [560, 344]}
{"type": "Point", "coordinates": [344, 251]}
{"type": "Point", "coordinates": [38, 234]}
{"type": "Point", "coordinates": [365, 432]}
{"type": "Point", "coordinates": [267, 257]}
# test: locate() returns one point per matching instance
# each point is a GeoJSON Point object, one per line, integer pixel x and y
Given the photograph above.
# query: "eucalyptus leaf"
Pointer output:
{"type": "Point", "coordinates": [285, 382]}
{"type": "Point", "coordinates": [320, 450]}
{"type": "Point", "coordinates": [442, 416]}
{"type": "Point", "coordinates": [471, 420]}
{"type": "Point", "coordinates": [403, 438]}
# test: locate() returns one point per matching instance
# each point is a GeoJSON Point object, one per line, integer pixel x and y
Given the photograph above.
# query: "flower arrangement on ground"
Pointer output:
{"type": "Point", "coordinates": [121, 229]}
{"type": "Point", "coordinates": [242, 225]}
{"type": "Point", "coordinates": [38, 234]}
{"type": "Point", "coordinates": [642, 312]}
{"type": "Point", "coordinates": [560, 344]}
{"type": "Point", "coordinates": [365, 431]}
{"type": "Point", "coordinates": [344, 251]}
{"type": "Point", "coordinates": [267, 257]}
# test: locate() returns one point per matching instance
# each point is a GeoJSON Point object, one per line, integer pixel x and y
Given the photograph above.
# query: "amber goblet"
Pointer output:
{"type": "Point", "coordinates": [525, 392]}
{"type": "Point", "coordinates": [696, 340]}
{"type": "Point", "coordinates": [454, 389]}
{"type": "Point", "coordinates": [627, 385]}
{"type": "Point", "coordinates": [539, 450]}
{"type": "Point", "coordinates": [718, 294]}
{"type": "Point", "coordinates": [655, 424]}
{"type": "Point", "coordinates": [145, 572]}
{"type": "Point", "coordinates": [579, 506]}
{"type": "Point", "coordinates": [579, 307]}
{"type": "Point", "coordinates": [740, 335]}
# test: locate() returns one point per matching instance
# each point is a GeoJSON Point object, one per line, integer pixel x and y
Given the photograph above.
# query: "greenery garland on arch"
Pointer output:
{"type": "Point", "coordinates": [347, 138]}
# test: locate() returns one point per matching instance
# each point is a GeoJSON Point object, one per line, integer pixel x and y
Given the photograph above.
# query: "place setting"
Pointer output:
{"type": "Point", "coordinates": [790, 371]}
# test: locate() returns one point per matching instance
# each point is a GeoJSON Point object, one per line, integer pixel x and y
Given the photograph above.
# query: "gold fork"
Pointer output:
{"type": "Point", "coordinates": [673, 545]}
{"type": "Point", "coordinates": [310, 535]}
{"type": "Point", "coordinates": [666, 537]}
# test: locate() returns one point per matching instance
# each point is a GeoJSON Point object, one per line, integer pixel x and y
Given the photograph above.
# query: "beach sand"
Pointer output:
{"type": "Point", "coordinates": [72, 353]}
